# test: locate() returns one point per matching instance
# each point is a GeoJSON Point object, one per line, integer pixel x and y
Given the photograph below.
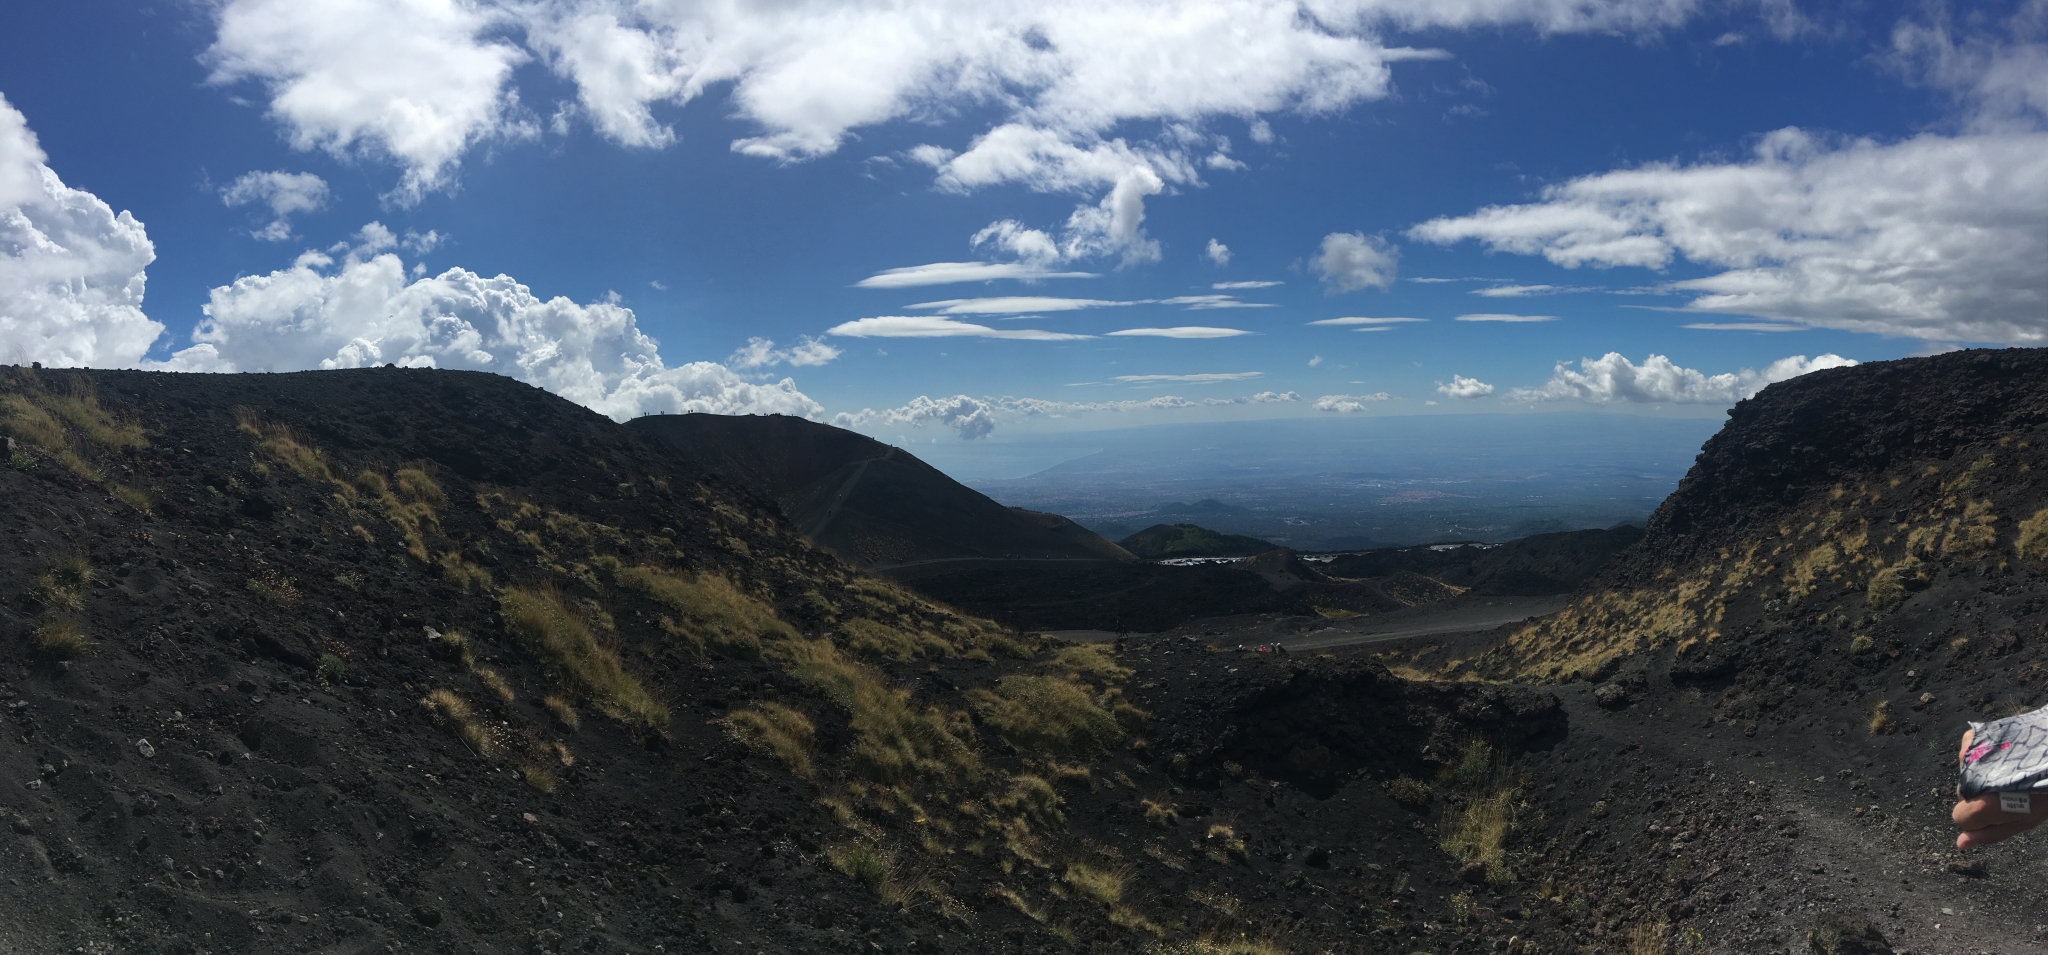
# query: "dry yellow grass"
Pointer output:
{"type": "Point", "coordinates": [539, 777]}
{"type": "Point", "coordinates": [64, 584]}
{"type": "Point", "coordinates": [1033, 798]}
{"type": "Point", "coordinates": [562, 639]}
{"type": "Point", "coordinates": [1049, 714]}
{"type": "Point", "coordinates": [563, 711]}
{"type": "Point", "coordinates": [2032, 543]}
{"type": "Point", "coordinates": [710, 611]}
{"type": "Point", "coordinates": [779, 731]}
{"type": "Point", "coordinates": [285, 447]}
{"type": "Point", "coordinates": [495, 683]}
{"type": "Point", "coordinates": [454, 713]}
{"type": "Point", "coordinates": [1478, 830]}
{"type": "Point", "coordinates": [1648, 938]}
{"type": "Point", "coordinates": [132, 497]}
{"type": "Point", "coordinates": [879, 639]}
{"type": "Point", "coordinates": [63, 640]}
{"type": "Point", "coordinates": [1881, 717]}
{"type": "Point", "coordinates": [1103, 885]}
{"type": "Point", "coordinates": [896, 741]}
{"type": "Point", "coordinates": [1097, 660]}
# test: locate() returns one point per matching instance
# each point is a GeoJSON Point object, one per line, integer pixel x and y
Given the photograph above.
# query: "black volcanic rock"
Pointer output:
{"type": "Point", "coordinates": [868, 502]}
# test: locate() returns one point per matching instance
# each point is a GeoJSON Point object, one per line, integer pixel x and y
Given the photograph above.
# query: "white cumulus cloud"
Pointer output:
{"type": "Point", "coordinates": [970, 418]}
{"type": "Point", "coordinates": [1219, 253]}
{"type": "Point", "coordinates": [1203, 378]}
{"type": "Point", "coordinates": [762, 353]}
{"type": "Point", "coordinates": [286, 193]}
{"type": "Point", "coordinates": [1350, 404]}
{"type": "Point", "coordinates": [1933, 237]}
{"type": "Point", "coordinates": [71, 270]}
{"type": "Point", "coordinates": [1659, 380]}
{"type": "Point", "coordinates": [364, 311]}
{"type": "Point", "coordinates": [1463, 387]}
{"type": "Point", "coordinates": [417, 81]}
{"type": "Point", "coordinates": [1350, 261]}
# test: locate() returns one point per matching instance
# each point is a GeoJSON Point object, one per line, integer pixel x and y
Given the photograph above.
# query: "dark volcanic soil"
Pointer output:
{"type": "Point", "coordinates": [206, 780]}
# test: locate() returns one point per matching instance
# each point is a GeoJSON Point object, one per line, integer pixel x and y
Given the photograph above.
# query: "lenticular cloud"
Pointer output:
{"type": "Point", "coordinates": [364, 312]}
{"type": "Point", "coordinates": [71, 270]}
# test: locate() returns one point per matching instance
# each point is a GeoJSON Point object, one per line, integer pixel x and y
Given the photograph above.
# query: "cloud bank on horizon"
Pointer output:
{"type": "Point", "coordinates": [1930, 237]}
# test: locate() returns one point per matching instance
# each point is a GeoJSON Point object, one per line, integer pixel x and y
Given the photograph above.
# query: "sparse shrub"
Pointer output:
{"type": "Point", "coordinates": [1034, 798]}
{"type": "Point", "coordinates": [62, 640]}
{"type": "Point", "coordinates": [459, 571]}
{"type": "Point", "coordinates": [1222, 946]}
{"type": "Point", "coordinates": [1159, 814]}
{"type": "Point", "coordinates": [495, 683]}
{"type": "Point", "coordinates": [563, 640]}
{"type": "Point", "coordinates": [2033, 537]}
{"type": "Point", "coordinates": [1049, 714]}
{"type": "Point", "coordinates": [1462, 908]}
{"type": "Point", "coordinates": [779, 731]}
{"type": "Point", "coordinates": [410, 508]}
{"type": "Point", "coordinates": [454, 713]}
{"type": "Point", "coordinates": [1478, 830]}
{"type": "Point", "coordinates": [563, 711]}
{"type": "Point", "coordinates": [1473, 768]}
{"type": "Point", "coordinates": [896, 741]}
{"type": "Point", "coordinates": [1881, 718]}
{"type": "Point", "coordinates": [710, 610]}
{"type": "Point", "coordinates": [64, 584]}
{"type": "Point", "coordinates": [871, 866]}
{"type": "Point", "coordinates": [1860, 644]}
{"type": "Point", "coordinates": [1103, 885]}
{"type": "Point", "coordinates": [1412, 793]}
{"type": "Point", "coordinates": [1226, 838]}
{"type": "Point", "coordinates": [273, 586]}
{"type": "Point", "coordinates": [331, 670]}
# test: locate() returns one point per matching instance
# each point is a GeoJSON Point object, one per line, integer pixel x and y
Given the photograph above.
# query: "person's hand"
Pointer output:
{"type": "Point", "coordinates": [1981, 820]}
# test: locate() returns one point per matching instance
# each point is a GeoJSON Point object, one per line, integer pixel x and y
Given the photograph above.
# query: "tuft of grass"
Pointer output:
{"type": "Point", "coordinates": [331, 670]}
{"type": "Point", "coordinates": [1050, 714]}
{"type": "Point", "coordinates": [2033, 537]}
{"type": "Point", "coordinates": [710, 611]}
{"type": "Point", "coordinates": [409, 506]}
{"type": "Point", "coordinates": [133, 497]}
{"type": "Point", "coordinates": [1648, 938]}
{"type": "Point", "coordinates": [1881, 718]}
{"type": "Point", "coordinates": [896, 741]}
{"type": "Point", "coordinates": [1478, 831]}
{"type": "Point", "coordinates": [547, 628]}
{"type": "Point", "coordinates": [879, 639]}
{"type": "Point", "coordinates": [453, 712]}
{"type": "Point", "coordinates": [1227, 839]}
{"type": "Point", "coordinates": [1096, 660]}
{"type": "Point", "coordinates": [1412, 793]}
{"type": "Point", "coordinates": [539, 777]}
{"type": "Point", "coordinates": [1033, 798]}
{"type": "Point", "coordinates": [1242, 945]}
{"type": "Point", "coordinates": [1103, 885]}
{"type": "Point", "coordinates": [457, 570]}
{"type": "Point", "coordinates": [80, 408]}
{"type": "Point", "coordinates": [273, 586]}
{"type": "Point", "coordinates": [64, 583]}
{"type": "Point", "coordinates": [1860, 644]}
{"type": "Point", "coordinates": [1159, 814]}
{"type": "Point", "coordinates": [495, 683]}
{"type": "Point", "coordinates": [563, 711]}
{"type": "Point", "coordinates": [779, 731]}
{"type": "Point", "coordinates": [285, 447]}
{"type": "Point", "coordinates": [62, 640]}
{"type": "Point", "coordinates": [1126, 917]}
{"type": "Point", "coordinates": [871, 866]}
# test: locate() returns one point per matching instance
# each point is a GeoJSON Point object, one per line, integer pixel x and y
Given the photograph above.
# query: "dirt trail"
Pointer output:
{"type": "Point", "coordinates": [1428, 621]}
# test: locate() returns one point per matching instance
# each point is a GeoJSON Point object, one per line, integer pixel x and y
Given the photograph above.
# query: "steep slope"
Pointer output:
{"type": "Point", "coordinates": [868, 502]}
{"type": "Point", "coordinates": [412, 660]}
{"type": "Point", "coordinates": [1190, 540]}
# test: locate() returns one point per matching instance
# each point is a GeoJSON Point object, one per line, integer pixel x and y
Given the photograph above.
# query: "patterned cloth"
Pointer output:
{"type": "Point", "coordinates": [2008, 755]}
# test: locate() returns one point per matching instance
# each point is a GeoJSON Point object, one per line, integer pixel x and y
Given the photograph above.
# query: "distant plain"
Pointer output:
{"type": "Point", "coordinates": [1325, 484]}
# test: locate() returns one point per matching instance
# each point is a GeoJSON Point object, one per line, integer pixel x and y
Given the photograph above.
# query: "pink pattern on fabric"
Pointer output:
{"type": "Point", "coordinates": [1977, 752]}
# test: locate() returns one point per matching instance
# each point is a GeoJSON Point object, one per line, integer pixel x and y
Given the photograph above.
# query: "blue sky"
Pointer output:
{"type": "Point", "coordinates": [612, 200]}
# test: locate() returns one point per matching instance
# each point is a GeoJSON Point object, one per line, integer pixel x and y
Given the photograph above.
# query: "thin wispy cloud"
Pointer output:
{"type": "Point", "coordinates": [1181, 331]}
{"type": "Point", "coordinates": [1745, 327]}
{"type": "Point", "coordinates": [1232, 286]}
{"type": "Point", "coordinates": [946, 273]}
{"type": "Point", "coordinates": [1205, 378]}
{"type": "Point", "coordinates": [1365, 320]}
{"type": "Point", "coordinates": [1497, 317]}
{"type": "Point", "coordinates": [1015, 305]}
{"type": "Point", "coordinates": [935, 326]}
